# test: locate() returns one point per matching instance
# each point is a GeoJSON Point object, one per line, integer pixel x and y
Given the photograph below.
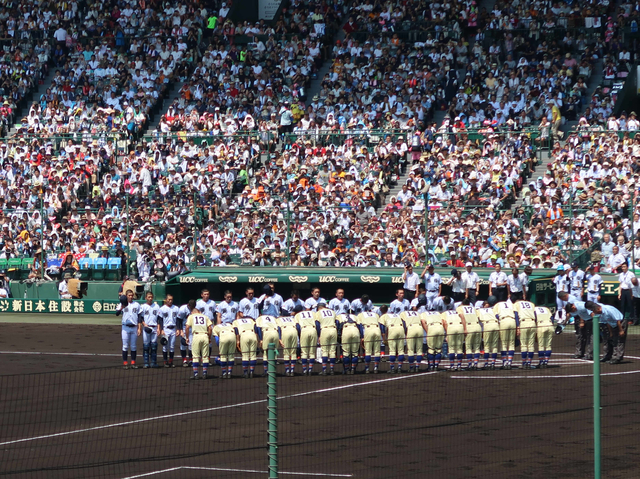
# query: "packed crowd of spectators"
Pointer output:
{"type": "Point", "coordinates": [320, 199]}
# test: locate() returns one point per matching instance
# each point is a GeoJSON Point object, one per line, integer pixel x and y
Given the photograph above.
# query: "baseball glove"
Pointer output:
{"type": "Point", "coordinates": [148, 330]}
{"type": "Point", "coordinates": [163, 341]}
{"type": "Point", "coordinates": [124, 301]}
{"type": "Point", "coordinates": [183, 341]}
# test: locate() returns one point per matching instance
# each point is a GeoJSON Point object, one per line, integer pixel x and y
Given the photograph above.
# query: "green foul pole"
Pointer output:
{"type": "Point", "coordinates": [272, 408]}
{"type": "Point", "coordinates": [596, 397]}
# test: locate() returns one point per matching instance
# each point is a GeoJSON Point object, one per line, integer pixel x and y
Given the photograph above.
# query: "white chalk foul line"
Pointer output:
{"type": "Point", "coordinates": [247, 471]}
{"type": "Point", "coordinates": [198, 411]}
{"type": "Point", "coordinates": [526, 376]}
{"type": "Point", "coordinates": [42, 353]}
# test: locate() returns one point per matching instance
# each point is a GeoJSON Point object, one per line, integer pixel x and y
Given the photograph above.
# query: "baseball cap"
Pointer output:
{"type": "Point", "coordinates": [560, 267]}
{"type": "Point", "coordinates": [469, 264]}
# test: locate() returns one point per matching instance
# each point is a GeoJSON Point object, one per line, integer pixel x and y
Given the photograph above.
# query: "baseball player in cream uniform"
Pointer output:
{"type": "Point", "coordinates": [131, 328]}
{"type": "Point", "coordinates": [225, 336]}
{"type": "Point", "coordinates": [289, 336]}
{"type": "Point", "coordinates": [433, 325]}
{"type": "Point", "coordinates": [490, 332]}
{"type": "Point", "coordinates": [415, 335]}
{"type": "Point", "coordinates": [150, 331]}
{"type": "Point", "coordinates": [394, 335]}
{"type": "Point", "coordinates": [528, 331]}
{"type": "Point", "coordinates": [247, 344]}
{"type": "Point", "coordinates": [309, 330]}
{"type": "Point", "coordinates": [352, 334]}
{"type": "Point", "coordinates": [267, 329]}
{"type": "Point", "coordinates": [371, 339]}
{"type": "Point", "coordinates": [508, 327]}
{"type": "Point", "coordinates": [326, 319]}
{"type": "Point", "coordinates": [200, 326]}
{"type": "Point", "coordinates": [168, 321]}
{"type": "Point", "coordinates": [469, 315]}
{"type": "Point", "coordinates": [455, 328]}
{"type": "Point", "coordinates": [544, 332]}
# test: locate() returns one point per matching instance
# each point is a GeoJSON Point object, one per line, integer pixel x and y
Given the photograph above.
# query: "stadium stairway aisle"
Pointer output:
{"type": "Point", "coordinates": [154, 121]}
{"type": "Point", "coordinates": [24, 111]}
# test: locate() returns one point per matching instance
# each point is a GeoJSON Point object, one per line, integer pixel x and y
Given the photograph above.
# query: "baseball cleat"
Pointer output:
{"type": "Point", "coordinates": [323, 373]}
{"type": "Point", "coordinates": [332, 373]}
{"type": "Point", "coordinates": [146, 366]}
{"type": "Point", "coordinates": [375, 370]}
{"type": "Point", "coordinates": [245, 375]}
{"type": "Point", "coordinates": [126, 366]}
{"type": "Point", "coordinates": [185, 364]}
{"type": "Point", "coordinates": [204, 376]}
{"type": "Point", "coordinates": [250, 374]}
{"type": "Point", "coordinates": [135, 366]}
{"type": "Point", "coordinates": [166, 365]}
{"type": "Point", "coordinates": [195, 376]}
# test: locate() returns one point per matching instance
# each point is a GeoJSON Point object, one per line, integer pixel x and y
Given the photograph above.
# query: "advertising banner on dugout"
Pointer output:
{"type": "Point", "coordinates": [63, 306]}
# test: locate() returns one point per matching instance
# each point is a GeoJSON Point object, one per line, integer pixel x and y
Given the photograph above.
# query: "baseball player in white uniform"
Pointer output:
{"type": "Point", "coordinates": [311, 303]}
{"type": "Point", "coordinates": [248, 307]}
{"type": "Point", "coordinates": [339, 304]}
{"type": "Point", "coordinates": [185, 343]}
{"type": "Point", "coordinates": [433, 285]}
{"type": "Point", "coordinates": [400, 304]}
{"type": "Point", "coordinates": [289, 305]}
{"type": "Point", "coordinates": [150, 331]}
{"type": "Point", "coordinates": [131, 328]}
{"type": "Point", "coordinates": [594, 284]}
{"type": "Point", "coordinates": [361, 305]}
{"type": "Point", "coordinates": [168, 321]}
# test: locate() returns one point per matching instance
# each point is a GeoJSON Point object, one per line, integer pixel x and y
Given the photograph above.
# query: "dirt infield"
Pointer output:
{"type": "Point", "coordinates": [78, 414]}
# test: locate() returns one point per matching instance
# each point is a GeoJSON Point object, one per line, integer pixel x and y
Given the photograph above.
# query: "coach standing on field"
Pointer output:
{"type": "Point", "coordinates": [498, 284]}
{"type": "Point", "coordinates": [411, 282]}
{"type": "Point", "coordinates": [471, 282]}
{"type": "Point", "coordinates": [625, 292]}
{"type": "Point", "coordinates": [614, 329]}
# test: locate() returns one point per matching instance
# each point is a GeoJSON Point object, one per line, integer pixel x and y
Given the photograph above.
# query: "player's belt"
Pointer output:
{"type": "Point", "coordinates": [130, 325]}
{"type": "Point", "coordinates": [432, 291]}
{"type": "Point", "coordinates": [491, 321]}
{"type": "Point", "coordinates": [199, 333]}
{"type": "Point", "coordinates": [471, 324]}
{"type": "Point", "coordinates": [328, 327]}
{"type": "Point", "coordinates": [434, 323]}
{"type": "Point", "coordinates": [304, 327]}
{"type": "Point", "coordinates": [592, 292]}
{"type": "Point", "coordinates": [371, 326]}
{"type": "Point", "coordinates": [169, 327]}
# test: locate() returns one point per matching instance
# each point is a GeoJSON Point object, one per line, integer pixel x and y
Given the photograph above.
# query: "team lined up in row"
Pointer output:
{"type": "Point", "coordinates": [465, 326]}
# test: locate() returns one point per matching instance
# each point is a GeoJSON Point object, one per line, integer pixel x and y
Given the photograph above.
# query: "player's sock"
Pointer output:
{"type": "Point", "coordinates": [376, 362]}
{"type": "Point", "coordinates": [145, 354]}
{"type": "Point", "coordinates": [460, 358]}
{"type": "Point", "coordinates": [195, 368]}
{"type": "Point", "coordinates": [367, 362]}
{"type": "Point", "coordinates": [412, 359]}
{"type": "Point", "coordinates": [345, 362]}
{"type": "Point", "coordinates": [503, 356]}
{"type": "Point", "coordinates": [510, 356]}
{"type": "Point", "coordinates": [332, 362]}
{"type": "Point", "coordinates": [547, 355]}
{"type": "Point", "coordinates": [205, 367]}
{"type": "Point", "coordinates": [452, 359]}
{"type": "Point", "coordinates": [312, 361]}
{"type": "Point", "coordinates": [524, 357]}
{"type": "Point", "coordinates": [418, 361]}
{"type": "Point", "coordinates": [325, 359]}
{"type": "Point", "coordinates": [476, 359]}
{"type": "Point", "coordinates": [392, 360]}
{"type": "Point", "coordinates": [400, 361]}
{"type": "Point", "coordinates": [304, 365]}
{"type": "Point", "coordinates": [438, 358]}
{"type": "Point", "coordinates": [354, 363]}
{"type": "Point", "coordinates": [154, 354]}
{"type": "Point", "coordinates": [125, 355]}
{"type": "Point", "coordinates": [252, 365]}
{"type": "Point", "coordinates": [530, 356]}
{"type": "Point", "coordinates": [183, 353]}
{"type": "Point", "coordinates": [245, 366]}
{"type": "Point", "coordinates": [134, 354]}
{"type": "Point", "coordinates": [494, 358]}
{"type": "Point", "coordinates": [431, 359]}
{"type": "Point", "coordinates": [165, 356]}
{"type": "Point", "coordinates": [486, 359]}
{"type": "Point", "coordinates": [469, 360]}
{"type": "Point", "coordinates": [223, 367]}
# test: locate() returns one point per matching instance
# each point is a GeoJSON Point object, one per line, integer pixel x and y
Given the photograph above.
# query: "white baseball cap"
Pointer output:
{"type": "Point", "coordinates": [469, 264]}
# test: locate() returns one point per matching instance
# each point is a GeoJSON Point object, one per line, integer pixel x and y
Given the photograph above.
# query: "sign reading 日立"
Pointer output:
{"type": "Point", "coordinates": [62, 306]}
{"type": "Point", "coordinates": [267, 9]}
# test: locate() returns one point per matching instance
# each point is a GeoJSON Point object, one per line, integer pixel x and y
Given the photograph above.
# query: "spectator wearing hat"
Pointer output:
{"type": "Point", "coordinates": [63, 287]}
